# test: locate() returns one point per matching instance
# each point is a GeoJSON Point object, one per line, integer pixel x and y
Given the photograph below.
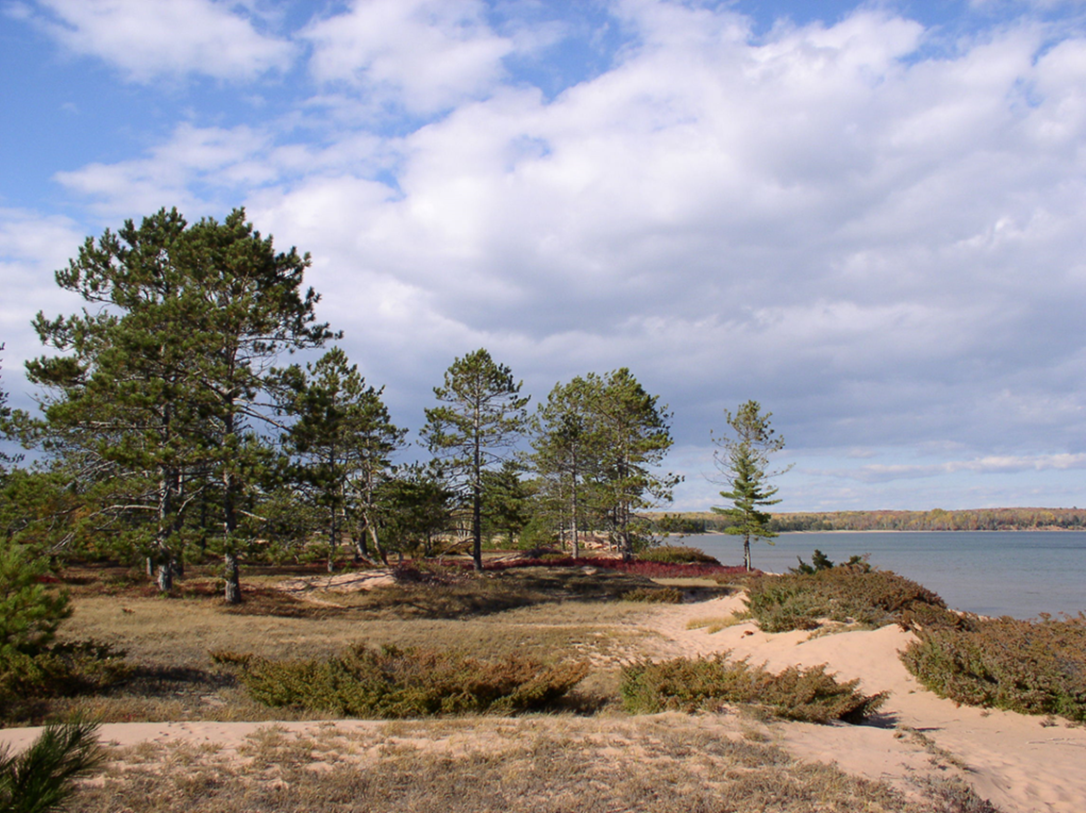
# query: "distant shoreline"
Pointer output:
{"type": "Point", "coordinates": [937, 519]}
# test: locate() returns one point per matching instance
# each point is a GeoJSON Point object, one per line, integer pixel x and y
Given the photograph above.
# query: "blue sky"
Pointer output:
{"type": "Point", "coordinates": [869, 217]}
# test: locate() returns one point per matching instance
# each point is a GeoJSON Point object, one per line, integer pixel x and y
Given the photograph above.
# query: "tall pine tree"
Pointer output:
{"type": "Point", "coordinates": [481, 414]}
{"type": "Point", "coordinates": [163, 380]}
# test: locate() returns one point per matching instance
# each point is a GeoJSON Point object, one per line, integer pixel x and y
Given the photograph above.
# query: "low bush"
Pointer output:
{"type": "Point", "coordinates": [677, 555]}
{"type": "Point", "coordinates": [655, 595]}
{"type": "Point", "coordinates": [707, 684]}
{"type": "Point", "coordinates": [398, 683]}
{"type": "Point", "coordinates": [1032, 667]}
{"type": "Point", "coordinates": [62, 670]}
{"type": "Point", "coordinates": [844, 593]}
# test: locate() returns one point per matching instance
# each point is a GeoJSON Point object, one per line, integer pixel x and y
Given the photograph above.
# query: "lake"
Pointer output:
{"type": "Point", "coordinates": [1016, 573]}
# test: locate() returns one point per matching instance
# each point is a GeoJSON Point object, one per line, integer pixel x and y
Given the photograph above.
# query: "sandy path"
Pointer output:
{"type": "Point", "coordinates": [1018, 762]}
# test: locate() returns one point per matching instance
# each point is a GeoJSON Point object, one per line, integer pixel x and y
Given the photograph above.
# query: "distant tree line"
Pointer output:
{"type": "Point", "coordinates": [937, 519]}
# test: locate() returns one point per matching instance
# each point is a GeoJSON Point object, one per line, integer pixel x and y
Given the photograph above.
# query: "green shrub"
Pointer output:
{"type": "Point", "coordinates": [30, 612]}
{"type": "Point", "coordinates": [707, 684]}
{"type": "Point", "coordinates": [1032, 667]}
{"type": "Point", "coordinates": [676, 555]}
{"type": "Point", "coordinates": [396, 683]}
{"type": "Point", "coordinates": [63, 670]}
{"type": "Point", "coordinates": [820, 561]}
{"type": "Point", "coordinates": [845, 593]}
{"type": "Point", "coordinates": [655, 595]}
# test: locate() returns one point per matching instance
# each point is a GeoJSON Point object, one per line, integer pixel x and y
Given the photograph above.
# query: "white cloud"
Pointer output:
{"type": "Point", "coordinates": [32, 247]}
{"type": "Point", "coordinates": [423, 55]}
{"type": "Point", "coordinates": [147, 39]}
{"type": "Point", "coordinates": [990, 464]}
{"type": "Point", "coordinates": [189, 171]}
{"type": "Point", "coordinates": [882, 244]}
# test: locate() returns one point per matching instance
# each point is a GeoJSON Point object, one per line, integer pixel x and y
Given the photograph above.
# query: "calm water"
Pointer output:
{"type": "Point", "coordinates": [1021, 573]}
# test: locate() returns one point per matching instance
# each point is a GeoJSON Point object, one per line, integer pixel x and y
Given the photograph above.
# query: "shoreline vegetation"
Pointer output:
{"type": "Point", "coordinates": [937, 519]}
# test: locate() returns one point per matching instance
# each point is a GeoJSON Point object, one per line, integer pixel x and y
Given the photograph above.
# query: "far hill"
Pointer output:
{"type": "Point", "coordinates": [937, 519]}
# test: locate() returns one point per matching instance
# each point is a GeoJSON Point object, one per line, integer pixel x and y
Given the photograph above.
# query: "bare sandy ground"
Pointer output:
{"type": "Point", "coordinates": [1022, 764]}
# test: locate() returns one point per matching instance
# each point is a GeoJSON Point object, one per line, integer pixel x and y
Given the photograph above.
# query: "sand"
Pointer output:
{"type": "Point", "coordinates": [1022, 764]}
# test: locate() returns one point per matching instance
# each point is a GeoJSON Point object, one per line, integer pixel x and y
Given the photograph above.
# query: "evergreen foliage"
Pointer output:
{"type": "Point", "coordinates": [743, 459]}
{"type": "Point", "coordinates": [341, 440]}
{"type": "Point", "coordinates": [158, 389]}
{"type": "Point", "coordinates": [706, 684]}
{"type": "Point", "coordinates": [481, 414]}
{"type": "Point", "coordinates": [42, 778]}
{"type": "Point", "coordinates": [394, 683]}
{"type": "Point", "coordinates": [30, 611]}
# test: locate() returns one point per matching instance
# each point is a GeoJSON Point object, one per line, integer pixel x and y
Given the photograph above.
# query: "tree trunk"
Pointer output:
{"type": "Point", "coordinates": [233, 579]}
{"type": "Point", "coordinates": [746, 552]}
{"type": "Point", "coordinates": [380, 551]}
{"type": "Point", "coordinates": [165, 575]}
{"type": "Point", "coordinates": [477, 501]}
{"type": "Point", "coordinates": [477, 529]}
{"type": "Point", "coordinates": [333, 543]}
{"type": "Point", "coordinates": [575, 548]}
{"type": "Point", "coordinates": [232, 592]}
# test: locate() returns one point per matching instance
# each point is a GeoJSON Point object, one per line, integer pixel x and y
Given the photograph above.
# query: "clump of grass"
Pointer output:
{"type": "Point", "coordinates": [1031, 667]}
{"type": "Point", "coordinates": [655, 595]}
{"type": "Point", "coordinates": [707, 684]}
{"type": "Point", "coordinates": [844, 593]}
{"type": "Point", "coordinates": [398, 683]}
{"type": "Point", "coordinates": [677, 555]}
{"type": "Point", "coordinates": [711, 625]}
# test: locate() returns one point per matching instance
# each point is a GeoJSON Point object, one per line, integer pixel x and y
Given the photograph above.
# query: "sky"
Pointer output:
{"type": "Point", "coordinates": [870, 218]}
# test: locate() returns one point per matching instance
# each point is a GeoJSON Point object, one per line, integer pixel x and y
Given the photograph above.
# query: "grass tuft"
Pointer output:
{"type": "Point", "coordinates": [655, 595]}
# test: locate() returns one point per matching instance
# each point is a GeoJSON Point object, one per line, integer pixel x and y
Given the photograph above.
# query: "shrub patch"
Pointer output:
{"type": "Point", "coordinates": [398, 683]}
{"type": "Point", "coordinates": [708, 684]}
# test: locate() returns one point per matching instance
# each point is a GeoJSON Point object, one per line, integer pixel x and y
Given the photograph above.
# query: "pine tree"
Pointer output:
{"type": "Point", "coordinates": [634, 437]}
{"type": "Point", "coordinates": [743, 459]}
{"type": "Point", "coordinates": [567, 447]}
{"type": "Point", "coordinates": [161, 386]}
{"type": "Point", "coordinates": [481, 415]}
{"type": "Point", "coordinates": [342, 439]}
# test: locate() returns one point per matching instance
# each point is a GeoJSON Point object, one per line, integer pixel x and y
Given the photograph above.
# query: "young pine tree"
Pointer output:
{"type": "Point", "coordinates": [743, 460]}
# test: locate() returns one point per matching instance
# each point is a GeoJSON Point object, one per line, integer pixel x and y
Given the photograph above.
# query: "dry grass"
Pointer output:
{"type": "Point", "coordinates": [717, 623]}
{"type": "Point", "coordinates": [530, 612]}
{"type": "Point", "coordinates": [659, 765]}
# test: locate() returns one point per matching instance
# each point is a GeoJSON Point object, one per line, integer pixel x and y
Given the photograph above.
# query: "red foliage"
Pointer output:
{"type": "Point", "coordinates": [650, 570]}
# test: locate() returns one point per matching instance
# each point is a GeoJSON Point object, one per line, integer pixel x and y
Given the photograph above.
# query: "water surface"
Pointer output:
{"type": "Point", "coordinates": [1017, 573]}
